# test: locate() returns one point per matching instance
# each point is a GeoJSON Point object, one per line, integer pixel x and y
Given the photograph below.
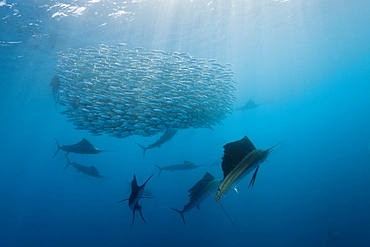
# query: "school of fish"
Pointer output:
{"type": "Point", "coordinates": [121, 92]}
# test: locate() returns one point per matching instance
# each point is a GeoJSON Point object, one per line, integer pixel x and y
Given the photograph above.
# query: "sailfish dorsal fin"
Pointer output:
{"type": "Point", "coordinates": [93, 168]}
{"type": "Point", "coordinates": [86, 144]}
{"type": "Point", "coordinates": [134, 183]}
{"type": "Point", "coordinates": [200, 185]}
{"type": "Point", "coordinates": [234, 152]}
{"type": "Point", "coordinates": [250, 104]}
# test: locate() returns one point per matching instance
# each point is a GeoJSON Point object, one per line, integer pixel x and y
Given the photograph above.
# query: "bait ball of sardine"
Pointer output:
{"type": "Point", "coordinates": [121, 92]}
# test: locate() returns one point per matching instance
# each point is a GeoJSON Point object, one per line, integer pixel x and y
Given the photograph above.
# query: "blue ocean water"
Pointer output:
{"type": "Point", "coordinates": [306, 62]}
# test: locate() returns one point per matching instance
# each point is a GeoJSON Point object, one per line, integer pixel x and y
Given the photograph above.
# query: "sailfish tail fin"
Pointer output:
{"type": "Point", "coordinates": [58, 147]}
{"type": "Point", "coordinates": [144, 149]}
{"type": "Point", "coordinates": [160, 169]}
{"type": "Point", "coordinates": [181, 213]}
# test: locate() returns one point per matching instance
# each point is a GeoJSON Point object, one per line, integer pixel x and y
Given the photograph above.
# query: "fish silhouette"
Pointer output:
{"type": "Point", "coordinates": [55, 86]}
{"type": "Point", "coordinates": [248, 106]}
{"type": "Point", "coordinates": [136, 194]}
{"type": "Point", "coordinates": [187, 165]}
{"type": "Point", "coordinates": [240, 158]}
{"type": "Point", "coordinates": [163, 139]}
{"type": "Point", "coordinates": [88, 170]}
{"type": "Point", "coordinates": [82, 147]}
{"type": "Point", "coordinates": [199, 192]}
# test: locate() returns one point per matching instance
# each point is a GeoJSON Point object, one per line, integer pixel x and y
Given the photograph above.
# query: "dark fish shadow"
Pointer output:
{"type": "Point", "coordinates": [330, 238]}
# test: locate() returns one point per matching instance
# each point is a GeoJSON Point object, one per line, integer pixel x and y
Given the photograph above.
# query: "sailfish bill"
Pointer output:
{"type": "Point", "coordinates": [223, 208]}
{"type": "Point", "coordinates": [240, 158]}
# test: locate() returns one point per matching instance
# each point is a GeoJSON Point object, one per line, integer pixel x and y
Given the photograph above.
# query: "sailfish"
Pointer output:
{"type": "Point", "coordinates": [187, 165]}
{"type": "Point", "coordinates": [88, 170]}
{"type": "Point", "coordinates": [55, 87]}
{"type": "Point", "coordinates": [199, 192]}
{"type": "Point", "coordinates": [136, 194]}
{"type": "Point", "coordinates": [240, 158]}
{"type": "Point", "coordinates": [81, 147]}
{"type": "Point", "coordinates": [167, 136]}
{"type": "Point", "coordinates": [248, 106]}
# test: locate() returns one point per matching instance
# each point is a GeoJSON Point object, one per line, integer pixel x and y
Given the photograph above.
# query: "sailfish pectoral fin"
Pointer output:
{"type": "Point", "coordinates": [122, 200]}
{"type": "Point", "coordinates": [253, 178]}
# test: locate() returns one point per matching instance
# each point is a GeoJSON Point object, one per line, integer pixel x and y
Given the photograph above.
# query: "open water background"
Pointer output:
{"type": "Point", "coordinates": [306, 62]}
